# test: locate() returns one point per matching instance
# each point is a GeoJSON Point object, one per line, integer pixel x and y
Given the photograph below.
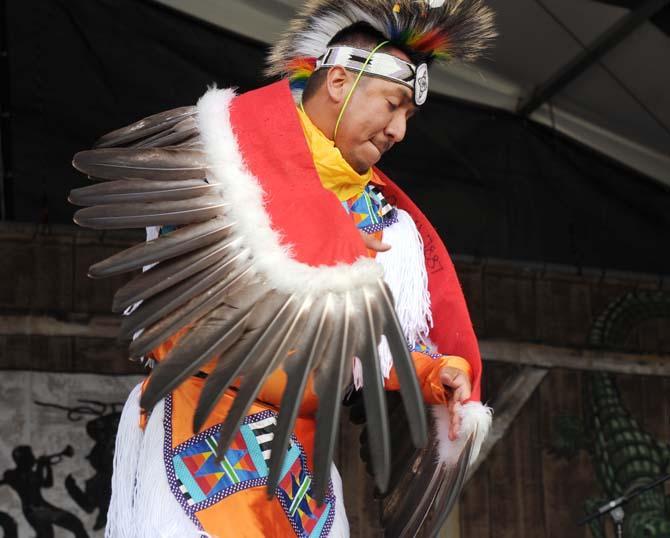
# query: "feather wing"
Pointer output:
{"type": "Point", "coordinates": [204, 277]}
{"type": "Point", "coordinates": [422, 491]}
{"type": "Point", "coordinates": [420, 503]}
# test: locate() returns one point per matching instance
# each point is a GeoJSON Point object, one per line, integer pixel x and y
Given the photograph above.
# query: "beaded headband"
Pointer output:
{"type": "Point", "coordinates": [380, 65]}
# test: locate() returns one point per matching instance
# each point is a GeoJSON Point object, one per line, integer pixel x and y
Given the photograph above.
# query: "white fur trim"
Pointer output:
{"type": "Point", "coordinates": [243, 191]}
{"type": "Point", "coordinates": [340, 528]}
{"type": "Point", "coordinates": [474, 415]}
{"type": "Point", "coordinates": [142, 503]}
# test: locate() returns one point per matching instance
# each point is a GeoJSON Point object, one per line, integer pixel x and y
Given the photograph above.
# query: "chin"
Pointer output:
{"type": "Point", "coordinates": [372, 162]}
{"type": "Point", "coordinates": [360, 165]}
{"type": "Point", "coordinates": [364, 168]}
{"type": "Point", "coordinates": [362, 161]}
{"type": "Point", "coordinates": [368, 161]}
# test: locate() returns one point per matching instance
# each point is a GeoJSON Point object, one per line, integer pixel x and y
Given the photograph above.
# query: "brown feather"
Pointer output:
{"type": "Point", "coordinates": [152, 163]}
{"type": "Point", "coordinates": [184, 130]}
{"type": "Point", "coordinates": [145, 127]}
{"type": "Point", "coordinates": [140, 190]}
{"type": "Point", "coordinates": [265, 311]}
{"type": "Point", "coordinates": [176, 243]}
{"type": "Point", "coordinates": [168, 274]}
{"type": "Point", "coordinates": [201, 288]}
{"type": "Point", "coordinates": [432, 491]}
{"type": "Point", "coordinates": [298, 368]}
{"type": "Point", "coordinates": [210, 337]}
{"type": "Point", "coordinates": [140, 215]}
{"type": "Point", "coordinates": [404, 366]}
{"type": "Point", "coordinates": [329, 377]}
{"type": "Point", "coordinates": [263, 358]}
{"type": "Point", "coordinates": [373, 390]}
{"type": "Point", "coordinates": [181, 312]}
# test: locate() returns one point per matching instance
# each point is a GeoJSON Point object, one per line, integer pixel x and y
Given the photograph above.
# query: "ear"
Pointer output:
{"type": "Point", "coordinates": [338, 82]}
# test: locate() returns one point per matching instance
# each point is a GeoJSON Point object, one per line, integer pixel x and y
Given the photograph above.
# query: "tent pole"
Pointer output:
{"type": "Point", "coordinates": [591, 54]}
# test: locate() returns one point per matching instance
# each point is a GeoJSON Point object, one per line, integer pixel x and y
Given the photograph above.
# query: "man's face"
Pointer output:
{"type": "Point", "coordinates": [375, 119]}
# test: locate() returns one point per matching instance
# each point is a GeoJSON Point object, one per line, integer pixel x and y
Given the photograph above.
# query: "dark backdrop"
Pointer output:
{"type": "Point", "coordinates": [493, 184]}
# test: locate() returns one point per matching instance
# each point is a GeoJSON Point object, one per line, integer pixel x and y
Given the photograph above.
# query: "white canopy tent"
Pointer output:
{"type": "Point", "coordinates": [593, 71]}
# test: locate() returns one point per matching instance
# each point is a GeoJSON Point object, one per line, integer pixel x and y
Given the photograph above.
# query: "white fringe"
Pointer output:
{"type": "Point", "coordinates": [142, 504]}
{"type": "Point", "coordinates": [157, 511]}
{"type": "Point", "coordinates": [120, 515]}
{"type": "Point", "coordinates": [405, 273]}
{"type": "Point", "coordinates": [474, 415]}
{"type": "Point", "coordinates": [340, 528]}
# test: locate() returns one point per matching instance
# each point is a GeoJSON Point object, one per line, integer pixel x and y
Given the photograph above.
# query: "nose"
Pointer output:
{"type": "Point", "coordinates": [396, 128]}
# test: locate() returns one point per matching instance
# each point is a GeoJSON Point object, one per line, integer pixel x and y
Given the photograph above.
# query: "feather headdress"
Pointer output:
{"type": "Point", "coordinates": [441, 30]}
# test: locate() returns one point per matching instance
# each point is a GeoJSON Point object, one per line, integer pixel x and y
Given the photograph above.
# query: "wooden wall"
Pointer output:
{"type": "Point", "coordinates": [522, 490]}
{"type": "Point", "coordinates": [552, 304]}
{"type": "Point", "coordinates": [43, 272]}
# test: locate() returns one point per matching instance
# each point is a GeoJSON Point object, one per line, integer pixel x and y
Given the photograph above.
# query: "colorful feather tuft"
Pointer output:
{"type": "Point", "coordinates": [444, 31]}
{"type": "Point", "coordinates": [299, 71]}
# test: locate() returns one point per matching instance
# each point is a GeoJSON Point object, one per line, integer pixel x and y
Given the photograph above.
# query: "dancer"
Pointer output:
{"type": "Point", "coordinates": [283, 276]}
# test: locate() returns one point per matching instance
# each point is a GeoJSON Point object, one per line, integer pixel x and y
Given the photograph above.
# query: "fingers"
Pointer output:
{"type": "Point", "coordinates": [453, 378]}
{"type": "Point", "coordinates": [457, 381]}
{"type": "Point", "coordinates": [459, 385]}
{"type": "Point", "coordinates": [462, 393]}
{"type": "Point", "coordinates": [373, 243]}
{"type": "Point", "coordinates": [448, 379]}
{"type": "Point", "coordinates": [455, 419]}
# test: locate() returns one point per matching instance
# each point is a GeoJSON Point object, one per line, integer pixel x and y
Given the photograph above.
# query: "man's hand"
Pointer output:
{"type": "Point", "coordinates": [373, 243]}
{"type": "Point", "coordinates": [458, 383]}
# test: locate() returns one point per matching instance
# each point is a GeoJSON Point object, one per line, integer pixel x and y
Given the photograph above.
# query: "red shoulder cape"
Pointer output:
{"type": "Point", "coordinates": [312, 223]}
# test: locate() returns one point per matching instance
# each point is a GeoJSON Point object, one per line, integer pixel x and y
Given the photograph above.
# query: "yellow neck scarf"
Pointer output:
{"type": "Point", "coordinates": [336, 174]}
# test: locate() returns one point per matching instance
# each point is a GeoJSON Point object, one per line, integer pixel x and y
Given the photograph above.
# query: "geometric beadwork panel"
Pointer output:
{"type": "Point", "coordinates": [199, 481]}
{"type": "Point", "coordinates": [370, 210]}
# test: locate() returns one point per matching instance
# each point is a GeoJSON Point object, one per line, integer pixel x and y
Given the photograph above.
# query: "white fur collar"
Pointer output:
{"type": "Point", "coordinates": [243, 190]}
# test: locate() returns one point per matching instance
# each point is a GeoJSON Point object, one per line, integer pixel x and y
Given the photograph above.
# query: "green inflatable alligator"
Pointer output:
{"type": "Point", "coordinates": [624, 456]}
